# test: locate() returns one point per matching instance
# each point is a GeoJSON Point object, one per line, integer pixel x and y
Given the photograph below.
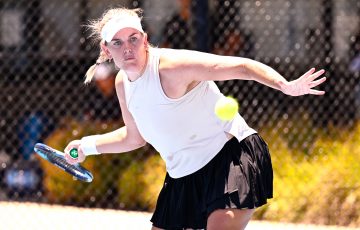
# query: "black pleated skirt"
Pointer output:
{"type": "Point", "coordinates": [240, 176]}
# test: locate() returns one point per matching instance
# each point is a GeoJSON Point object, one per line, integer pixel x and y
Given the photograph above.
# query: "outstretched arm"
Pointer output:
{"type": "Point", "coordinates": [195, 66]}
{"type": "Point", "coordinates": [268, 76]}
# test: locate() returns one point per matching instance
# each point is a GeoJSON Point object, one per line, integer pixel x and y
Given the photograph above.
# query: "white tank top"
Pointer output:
{"type": "Point", "coordinates": [185, 131]}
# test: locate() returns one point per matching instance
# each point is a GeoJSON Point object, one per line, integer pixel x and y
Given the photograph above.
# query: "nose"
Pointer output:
{"type": "Point", "coordinates": [127, 49]}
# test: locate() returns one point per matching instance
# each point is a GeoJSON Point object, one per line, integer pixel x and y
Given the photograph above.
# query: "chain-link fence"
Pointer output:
{"type": "Point", "coordinates": [45, 52]}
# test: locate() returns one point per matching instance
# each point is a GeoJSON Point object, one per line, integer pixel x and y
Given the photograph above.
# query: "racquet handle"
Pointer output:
{"type": "Point", "coordinates": [74, 153]}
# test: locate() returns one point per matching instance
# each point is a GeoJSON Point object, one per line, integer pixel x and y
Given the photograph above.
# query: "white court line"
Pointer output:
{"type": "Point", "coordinates": [19, 216]}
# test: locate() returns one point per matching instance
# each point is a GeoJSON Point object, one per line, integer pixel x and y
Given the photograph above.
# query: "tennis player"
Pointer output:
{"type": "Point", "coordinates": [218, 172]}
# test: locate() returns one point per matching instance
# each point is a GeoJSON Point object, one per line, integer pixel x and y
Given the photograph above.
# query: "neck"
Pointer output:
{"type": "Point", "coordinates": [133, 76]}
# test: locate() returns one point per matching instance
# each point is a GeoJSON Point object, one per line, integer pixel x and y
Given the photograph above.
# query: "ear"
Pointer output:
{"type": "Point", "coordinates": [106, 50]}
{"type": "Point", "coordinates": [146, 42]}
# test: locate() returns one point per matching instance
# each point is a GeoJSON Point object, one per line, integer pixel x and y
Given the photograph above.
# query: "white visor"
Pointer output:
{"type": "Point", "coordinates": [117, 23]}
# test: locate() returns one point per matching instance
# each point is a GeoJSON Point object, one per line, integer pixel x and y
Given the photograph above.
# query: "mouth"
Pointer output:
{"type": "Point", "coordinates": [128, 58]}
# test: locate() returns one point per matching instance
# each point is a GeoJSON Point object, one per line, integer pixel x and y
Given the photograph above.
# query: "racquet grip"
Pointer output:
{"type": "Point", "coordinates": [74, 153]}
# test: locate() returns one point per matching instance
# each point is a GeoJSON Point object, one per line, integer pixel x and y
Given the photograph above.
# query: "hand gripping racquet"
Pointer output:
{"type": "Point", "coordinates": [57, 158]}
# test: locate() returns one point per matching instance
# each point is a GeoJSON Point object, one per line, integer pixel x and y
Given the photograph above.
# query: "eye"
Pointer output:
{"type": "Point", "coordinates": [117, 43]}
{"type": "Point", "coordinates": [133, 39]}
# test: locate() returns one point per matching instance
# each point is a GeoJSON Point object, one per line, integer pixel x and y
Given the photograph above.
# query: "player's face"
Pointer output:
{"type": "Point", "coordinates": [128, 49]}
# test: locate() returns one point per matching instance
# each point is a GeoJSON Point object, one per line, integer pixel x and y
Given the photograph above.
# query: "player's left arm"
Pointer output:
{"type": "Point", "coordinates": [198, 66]}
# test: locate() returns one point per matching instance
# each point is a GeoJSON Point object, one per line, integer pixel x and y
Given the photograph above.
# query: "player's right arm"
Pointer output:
{"type": "Point", "coordinates": [124, 139]}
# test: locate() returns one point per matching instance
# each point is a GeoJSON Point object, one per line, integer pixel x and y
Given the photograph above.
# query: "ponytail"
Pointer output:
{"type": "Point", "coordinates": [91, 71]}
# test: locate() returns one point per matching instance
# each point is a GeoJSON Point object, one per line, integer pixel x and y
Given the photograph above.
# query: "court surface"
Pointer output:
{"type": "Point", "coordinates": [18, 216]}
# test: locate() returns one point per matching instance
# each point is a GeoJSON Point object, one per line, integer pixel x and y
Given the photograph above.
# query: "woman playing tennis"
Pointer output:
{"type": "Point", "coordinates": [218, 172]}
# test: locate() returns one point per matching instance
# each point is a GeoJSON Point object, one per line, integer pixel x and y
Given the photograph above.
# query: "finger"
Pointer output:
{"type": "Point", "coordinates": [67, 158]}
{"type": "Point", "coordinates": [308, 73]}
{"type": "Point", "coordinates": [316, 92]}
{"type": "Point", "coordinates": [70, 160]}
{"type": "Point", "coordinates": [316, 75]}
{"type": "Point", "coordinates": [67, 149]}
{"type": "Point", "coordinates": [317, 82]}
{"type": "Point", "coordinates": [71, 145]}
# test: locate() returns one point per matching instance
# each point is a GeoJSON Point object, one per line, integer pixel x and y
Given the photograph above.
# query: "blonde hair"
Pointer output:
{"type": "Point", "coordinates": [95, 27]}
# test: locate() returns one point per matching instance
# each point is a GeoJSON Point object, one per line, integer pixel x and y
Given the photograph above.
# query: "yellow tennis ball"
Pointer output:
{"type": "Point", "coordinates": [226, 108]}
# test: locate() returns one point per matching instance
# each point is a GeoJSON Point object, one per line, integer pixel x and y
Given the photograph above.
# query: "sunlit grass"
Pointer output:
{"type": "Point", "coordinates": [319, 184]}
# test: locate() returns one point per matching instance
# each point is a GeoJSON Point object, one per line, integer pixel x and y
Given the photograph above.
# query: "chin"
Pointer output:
{"type": "Point", "coordinates": [130, 66]}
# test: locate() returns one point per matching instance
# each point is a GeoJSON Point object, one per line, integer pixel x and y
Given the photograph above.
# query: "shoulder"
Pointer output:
{"type": "Point", "coordinates": [186, 56]}
{"type": "Point", "coordinates": [119, 79]}
{"type": "Point", "coordinates": [183, 61]}
{"type": "Point", "coordinates": [199, 66]}
{"type": "Point", "coordinates": [171, 61]}
{"type": "Point", "coordinates": [119, 84]}
{"type": "Point", "coordinates": [178, 68]}
{"type": "Point", "coordinates": [180, 57]}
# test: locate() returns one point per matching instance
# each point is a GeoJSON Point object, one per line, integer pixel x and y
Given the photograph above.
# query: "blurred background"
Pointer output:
{"type": "Point", "coordinates": [45, 51]}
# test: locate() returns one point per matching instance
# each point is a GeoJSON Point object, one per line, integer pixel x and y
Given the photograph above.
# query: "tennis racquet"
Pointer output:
{"type": "Point", "coordinates": [57, 158]}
